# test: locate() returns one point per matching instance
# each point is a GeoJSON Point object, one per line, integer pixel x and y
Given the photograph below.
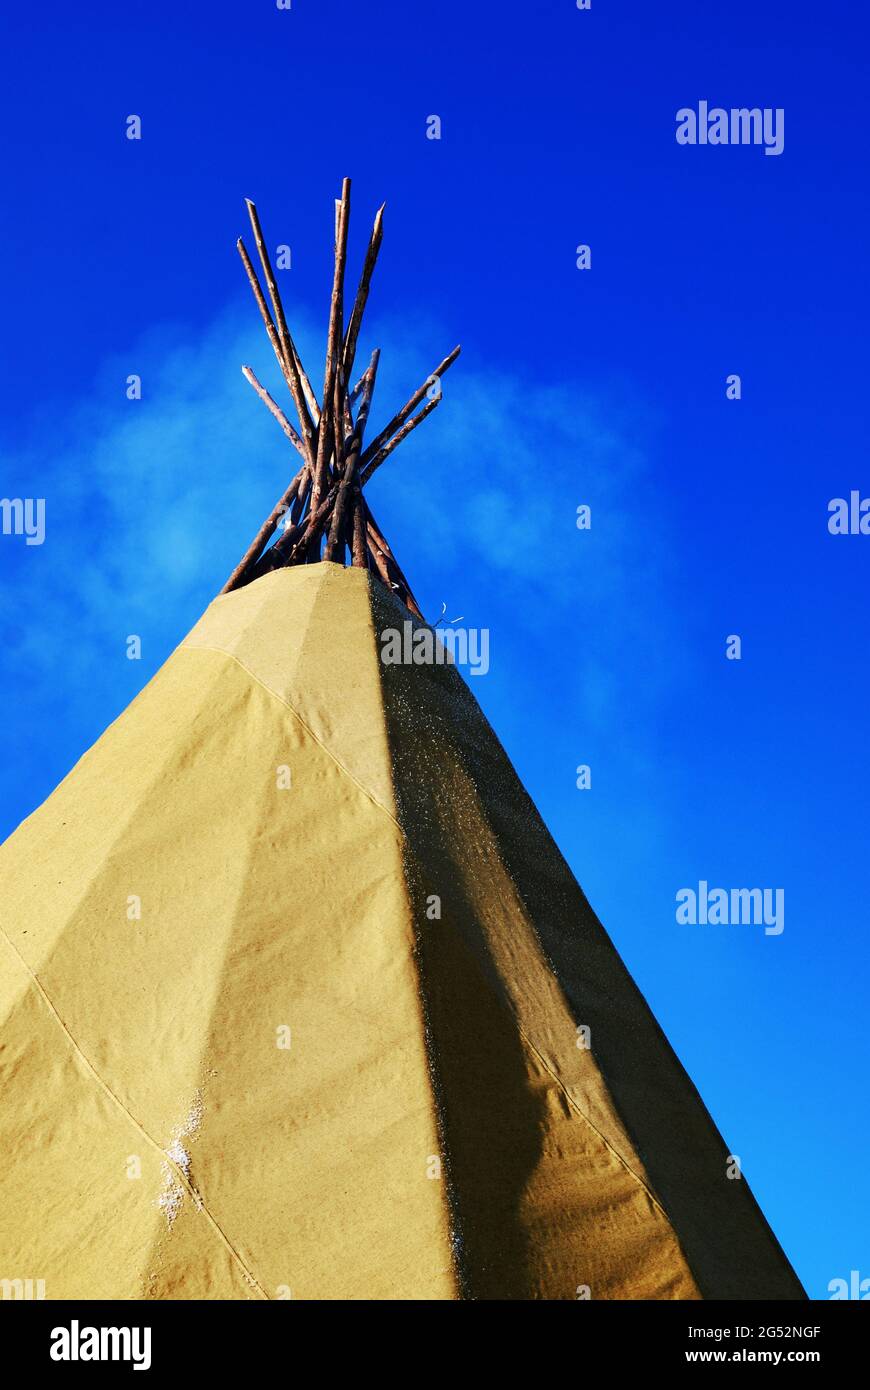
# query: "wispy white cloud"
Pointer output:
{"type": "Point", "coordinates": [150, 503]}
{"type": "Point", "coordinates": [485, 500]}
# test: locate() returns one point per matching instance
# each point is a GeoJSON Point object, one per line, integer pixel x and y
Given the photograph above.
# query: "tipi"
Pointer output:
{"type": "Point", "coordinates": [299, 999]}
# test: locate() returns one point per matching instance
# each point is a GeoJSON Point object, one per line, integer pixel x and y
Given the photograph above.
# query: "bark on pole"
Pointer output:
{"type": "Point", "coordinates": [377, 539]}
{"type": "Point", "coordinates": [290, 547]}
{"type": "Point", "coordinates": [359, 531]}
{"type": "Point", "coordinates": [411, 405]}
{"type": "Point", "coordinates": [348, 480]}
{"type": "Point", "coordinates": [244, 569]}
{"type": "Point", "coordinates": [288, 351]}
{"type": "Point", "coordinates": [378, 560]}
{"type": "Point", "coordinates": [272, 331]}
{"type": "Point", "coordinates": [327, 493]}
{"type": "Point", "coordinates": [302, 497]}
{"type": "Point", "coordinates": [377, 459]}
{"type": "Point", "coordinates": [327, 430]}
{"type": "Point", "coordinates": [362, 293]}
{"type": "Point", "coordinates": [261, 302]}
{"type": "Point", "coordinates": [275, 410]}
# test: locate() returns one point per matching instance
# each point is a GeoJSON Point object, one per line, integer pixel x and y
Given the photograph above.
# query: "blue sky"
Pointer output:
{"type": "Point", "coordinates": [604, 387]}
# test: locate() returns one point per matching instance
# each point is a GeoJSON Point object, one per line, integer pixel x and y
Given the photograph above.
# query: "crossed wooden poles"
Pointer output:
{"type": "Point", "coordinates": [323, 513]}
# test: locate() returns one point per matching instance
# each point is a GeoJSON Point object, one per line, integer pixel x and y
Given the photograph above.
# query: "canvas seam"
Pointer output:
{"type": "Point", "coordinates": [578, 1110]}
{"type": "Point", "coordinates": [199, 1204]}
{"type": "Point", "coordinates": [601, 1135]}
{"type": "Point", "coordinates": [457, 1264]}
{"type": "Point", "coordinates": [282, 699]}
{"type": "Point", "coordinates": [403, 838]}
{"type": "Point", "coordinates": [505, 1001]}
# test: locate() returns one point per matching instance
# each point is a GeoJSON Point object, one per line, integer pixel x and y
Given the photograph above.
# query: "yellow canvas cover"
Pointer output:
{"type": "Point", "coordinates": [243, 1057]}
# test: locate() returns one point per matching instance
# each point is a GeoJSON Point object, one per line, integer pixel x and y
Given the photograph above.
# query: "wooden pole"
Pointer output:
{"type": "Point", "coordinates": [378, 560]}
{"type": "Point", "coordinates": [302, 497]}
{"type": "Point", "coordinates": [410, 405]}
{"type": "Point", "coordinates": [381, 563]}
{"type": "Point", "coordinates": [347, 486]}
{"type": "Point", "coordinates": [378, 541]}
{"type": "Point", "coordinates": [362, 293]}
{"type": "Point", "coordinates": [327, 492]}
{"type": "Point", "coordinates": [289, 547]}
{"type": "Point", "coordinates": [408, 428]}
{"type": "Point", "coordinates": [354, 394]}
{"type": "Point", "coordinates": [327, 430]}
{"type": "Point", "coordinates": [288, 351]}
{"type": "Point", "coordinates": [275, 410]}
{"type": "Point", "coordinates": [273, 333]}
{"type": "Point", "coordinates": [367, 391]}
{"type": "Point", "coordinates": [343, 422]}
{"type": "Point", "coordinates": [359, 530]}
{"type": "Point", "coordinates": [261, 301]}
{"type": "Point", "coordinates": [242, 571]}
